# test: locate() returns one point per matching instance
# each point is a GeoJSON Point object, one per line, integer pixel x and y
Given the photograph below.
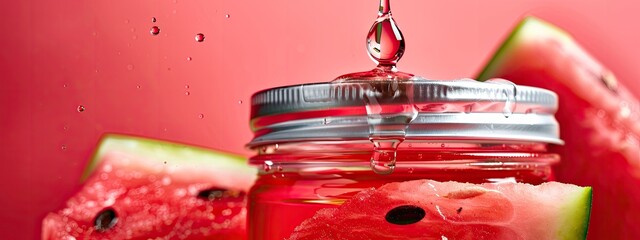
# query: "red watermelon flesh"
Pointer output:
{"type": "Point", "coordinates": [425, 209]}
{"type": "Point", "coordinates": [148, 189]}
{"type": "Point", "coordinates": [599, 120]}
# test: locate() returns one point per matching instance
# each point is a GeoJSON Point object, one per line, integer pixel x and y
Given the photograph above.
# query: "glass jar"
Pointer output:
{"type": "Point", "coordinates": [319, 144]}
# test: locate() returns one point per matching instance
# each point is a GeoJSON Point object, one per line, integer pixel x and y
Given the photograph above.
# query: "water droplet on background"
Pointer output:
{"type": "Point", "coordinates": [201, 116]}
{"type": "Point", "coordinates": [130, 67]}
{"type": "Point", "coordinates": [64, 85]}
{"type": "Point", "coordinates": [199, 37]}
{"type": "Point", "coordinates": [63, 147]}
{"type": "Point", "coordinates": [186, 86]}
{"type": "Point", "coordinates": [187, 93]}
{"type": "Point", "coordinates": [153, 19]}
{"type": "Point", "coordinates": [227, 16]}
{"type": "Point", "coordinates": [80, 108]}
{"type": "Point", "coordinates": [239, 101]}
{"type": "Point", "coordinates": [155, 30]}
{"type": "Point", "coordinates": [189, 58]}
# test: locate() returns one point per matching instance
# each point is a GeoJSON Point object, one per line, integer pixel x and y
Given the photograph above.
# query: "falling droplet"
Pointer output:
{"type": "Point", "coordinates": [155, 30]}
{"type": "Point", "coordinates": [134, 37]}
{"type": "Point", "coordinates": [187, 93]}
{"type": "Point", "coordinates": [126, 21]}
{"type": "Point", "coordinates": [239, 101]}
{"type": "Point", "coordinates": [80, 108]}
{"type": "Point", "coordinates": [130, 67]}
{"type": "Point", "coordinates": [189, 59]}
{"type": "Point", "coordinates": [199, 37]}
{"type": "Point", "coordinates": [132, 29]}
{"type": "Point", "coordinates": [63, 147]}
{"type": "Point", "coordinates": [64, 85]}
{"type": "Point", "coordinates": [153, 19]}
{"type": "Point", "coordinates": [201, 116]}
{"type": "Point", "coordinates": [186, 86]}
{"type": "Point", "coordinates": [227, 16]}
{"type": "Point", "coordinates": [138, 86]}
{"type": "Point", "coordinates": [65, 127]}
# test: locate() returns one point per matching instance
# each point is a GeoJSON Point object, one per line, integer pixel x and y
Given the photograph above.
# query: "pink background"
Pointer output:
{"type": "Point", "coordinates": [56, 56]}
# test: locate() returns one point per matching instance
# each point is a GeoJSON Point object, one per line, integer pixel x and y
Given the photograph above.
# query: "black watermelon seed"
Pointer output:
{"type": "Point", "coordinates": [405, 214]}
{"type": "Point", "coordinates": [212, 193]}
{"type": "Point", "coordinates": [105, 220]}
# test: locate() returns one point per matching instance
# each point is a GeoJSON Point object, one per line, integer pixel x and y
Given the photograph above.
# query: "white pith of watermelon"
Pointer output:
{"type": "Point", "coordinates": [599, 120]}
{"type": "Point", "coordinates": [458, 211]}
{"type": "Point", "coordinates": [153, 187]}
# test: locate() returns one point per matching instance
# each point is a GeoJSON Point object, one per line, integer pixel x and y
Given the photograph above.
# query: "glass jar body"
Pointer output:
{"type": "Point", "coordinates": [298, 179]}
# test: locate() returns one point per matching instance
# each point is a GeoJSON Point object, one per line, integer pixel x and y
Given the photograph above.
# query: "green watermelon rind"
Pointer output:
{"type": "Point", "coordinates": [528, 26]}
{"type": "Point", "coordinates": [581, 209]}
{"type": "Point", "coordinates": [164, 151]}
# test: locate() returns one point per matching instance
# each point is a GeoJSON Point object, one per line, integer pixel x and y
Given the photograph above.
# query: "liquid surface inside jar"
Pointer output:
{"type": "Point", "coordinates": [298, 179]}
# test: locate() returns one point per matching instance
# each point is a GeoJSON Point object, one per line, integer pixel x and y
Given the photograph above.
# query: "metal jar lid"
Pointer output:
{"type": "Point", "coordinates": [421, 110]}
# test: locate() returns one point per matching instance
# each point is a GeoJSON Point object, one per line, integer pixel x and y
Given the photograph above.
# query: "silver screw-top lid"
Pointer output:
{"type": "Point", "coordinates": [416, 109]}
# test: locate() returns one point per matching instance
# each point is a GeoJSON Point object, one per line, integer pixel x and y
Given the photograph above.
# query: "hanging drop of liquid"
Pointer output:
{"type": "Point", "coordinates": [385, 42]}
{"type": "Point", "coordinates": [199, 37]}
{"type": "Point", "coordinates": [390, 111]}
{"type": "Point", "coordinates": [383, 160]}
{"type": "Point", "coordinates": [155, 30]}
{"type": "Point", "coordinates": [385, 45]}
{"type": "Point", "coordinates": [509, 93]}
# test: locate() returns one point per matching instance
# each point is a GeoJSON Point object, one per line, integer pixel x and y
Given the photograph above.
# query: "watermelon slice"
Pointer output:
{"type": "Point", "coordinates": [426, 209]}
{"type": "Point", "coordinates": [140, 188]}
{"type": "Point", "coordinates": [599, 120]}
